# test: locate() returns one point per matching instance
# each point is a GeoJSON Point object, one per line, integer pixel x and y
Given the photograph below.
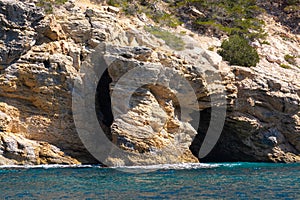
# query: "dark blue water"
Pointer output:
{"type": "Point", "coordinates": [210, 181]}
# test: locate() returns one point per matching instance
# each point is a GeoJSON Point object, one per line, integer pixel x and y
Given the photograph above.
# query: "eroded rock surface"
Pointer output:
{"type": "Point", "coordinates": [43, 55]}
{"type": "Point", "coordinates": [17, 29]}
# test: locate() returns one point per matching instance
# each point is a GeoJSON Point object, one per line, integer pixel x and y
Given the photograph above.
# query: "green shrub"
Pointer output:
{"type": "Point", "coordinates": [171, 39]}
{"type": "Point", "coordinates": [237, 51]}
{"type": "Point", "coordinates": [211, 48]}
{"type": "Point", "coordinates": [47, 5]}
{"type": "Point", "coordinates": [291, 6]}
{"type": "Point", "coordinates": [285, 66]}
{"type": "Point", "coordinates": [232, 17]}
{"type": "Point", "coordinates": [116, 3]}
{"type": "Point", "coordinates": [265, 42]}
{"type": "Point", "coordinates": [166, 19]}
{"type": "Point", "coordinates": [183, 33]}
{"type": "Point", "coordinates": [290, 59]}
{"type": "Point", "coordinates": [131, 7]}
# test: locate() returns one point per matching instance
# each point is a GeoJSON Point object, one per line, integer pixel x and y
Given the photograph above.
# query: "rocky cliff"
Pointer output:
{"type": "Point", "coordinates": [44, 56]}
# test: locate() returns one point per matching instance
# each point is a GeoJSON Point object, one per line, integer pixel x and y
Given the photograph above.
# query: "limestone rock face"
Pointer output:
{"type": "Point", "coordinates": [17, 149]}
{"type": "Point", "coordinates": [43, 56]}
{"type": "Point", "coordinates": [263, 122]}
{"type": "Point", "coordinates": [17, 29]}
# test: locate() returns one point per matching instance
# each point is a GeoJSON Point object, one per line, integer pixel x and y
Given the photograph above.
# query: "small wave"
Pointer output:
{"type": "Point", "coordinates": [50, 166]}
{"type": "Point", "coordinates": [146, 167]}
{"type": "Point", "coordinates": [177, 166]}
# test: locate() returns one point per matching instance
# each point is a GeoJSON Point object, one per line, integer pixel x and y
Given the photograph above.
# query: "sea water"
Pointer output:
{"type": "Point", "coordinates": [185, 181]}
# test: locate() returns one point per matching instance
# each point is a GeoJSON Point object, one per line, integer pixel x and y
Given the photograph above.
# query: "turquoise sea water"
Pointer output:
{"type": "Point", "coordinates": [189, 181]}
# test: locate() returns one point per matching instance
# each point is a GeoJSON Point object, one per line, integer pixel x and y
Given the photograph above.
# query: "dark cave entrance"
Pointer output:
{"type": "Point", "coordinates": [103, 104]}
{"type": "Point", "coordinates": [228, 146]}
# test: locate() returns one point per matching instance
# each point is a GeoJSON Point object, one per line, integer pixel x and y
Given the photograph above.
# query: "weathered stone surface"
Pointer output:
{"type": "Point", "coordinates": [151, 125]}
{"type": "Point", "coordinates": [16, 149]}
{"type": "Point", "coordinates": [41, 57]}
{"type": "Point", "coordinates": [50, 29]}
{"type": "Point", "coordinates": [263, 120]}
{"type": "Point", "coordinates": [17, 29]}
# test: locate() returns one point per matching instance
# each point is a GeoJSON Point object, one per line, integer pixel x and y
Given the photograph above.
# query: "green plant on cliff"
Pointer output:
{"type": "Point", "coordinates": [237, 51]}
{"type": "Point", "coordinates": [285, 66]}
{"type": "Point", "coordinates": [290, 59]}
{"type": "Point", "coordinates": [171, 40]}
{"type": "Point", "coordinates": [47, 5]}
{"type": "Point", "coordinates": [232, 17]}
{"type": "Point", "coordinates": [291, 6]}
{"type": "Point", "coordinates": [132, 7]}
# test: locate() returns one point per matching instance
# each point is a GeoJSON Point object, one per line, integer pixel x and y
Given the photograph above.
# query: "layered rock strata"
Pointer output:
{"type": "Point", "coordinates": [42, 56]}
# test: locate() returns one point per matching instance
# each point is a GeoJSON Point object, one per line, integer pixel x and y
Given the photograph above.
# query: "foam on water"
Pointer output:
{"type": "Point", "coordinates": [50, 166]}
{"type": "Point", "coordinates": [149, 167]}
{"type": "Point", "coordinates": [172, 166]}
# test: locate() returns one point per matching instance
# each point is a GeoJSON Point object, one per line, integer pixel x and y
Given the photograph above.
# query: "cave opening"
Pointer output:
{"type": "Point", "coordinates": [217, 154]}
{"type": "Point", "coordinates": [103, 104]}
{"type": "Point", "coordinates": [227, 149]}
